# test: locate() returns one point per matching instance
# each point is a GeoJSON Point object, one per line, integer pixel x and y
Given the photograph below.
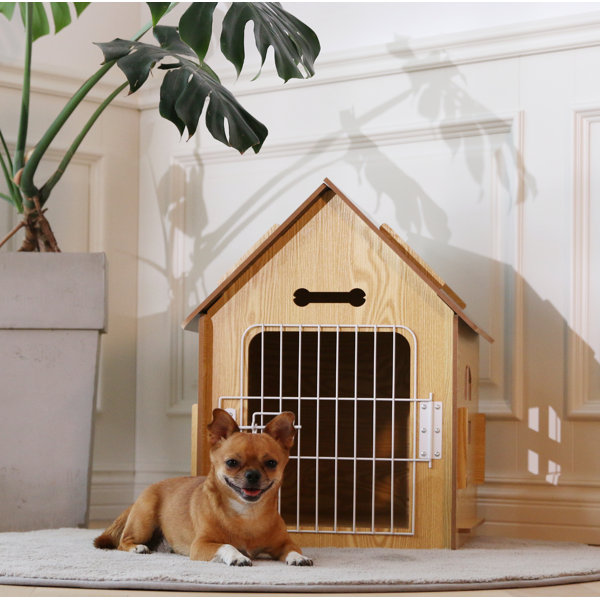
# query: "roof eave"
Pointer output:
{"type": "Point", "coordinates": [191, 322]}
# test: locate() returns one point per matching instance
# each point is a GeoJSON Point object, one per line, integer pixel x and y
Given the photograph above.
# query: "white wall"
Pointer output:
{"type": "Point", "coordinates": [342, 26]}
{"type": "Point", "coordinates": [464, 143]}
{"type": "Point", "coordinates": [471, 130]}
{"type": "Point", "coordinates": [94, 207]}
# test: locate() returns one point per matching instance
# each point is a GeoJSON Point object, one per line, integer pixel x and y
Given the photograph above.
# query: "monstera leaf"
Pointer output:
{"type": "Point", "coordinates": [186, 88]}
{"type": "Point", "coordinates": [293, 42]}
{"type": "Point", "coordinates": [191, 84]}
{"type": "Point", "coordinates": [61, 15]}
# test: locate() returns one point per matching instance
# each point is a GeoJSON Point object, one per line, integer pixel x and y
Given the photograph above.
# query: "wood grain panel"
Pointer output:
{"type": "Point", "coordinates": [330, 248]}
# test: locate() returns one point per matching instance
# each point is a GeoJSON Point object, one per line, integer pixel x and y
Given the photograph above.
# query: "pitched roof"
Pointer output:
{"type": "Point", "coordinates": [410, 257]}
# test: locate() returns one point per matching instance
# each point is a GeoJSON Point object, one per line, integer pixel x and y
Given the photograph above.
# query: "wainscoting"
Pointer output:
{"type": "Point", "coordinates": [478, 149]}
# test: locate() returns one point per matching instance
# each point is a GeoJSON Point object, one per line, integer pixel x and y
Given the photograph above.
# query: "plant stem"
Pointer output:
{"type": "Point", "coordinates": [53, 180]}
{"type": "Point", "coordinates": [15, 194]}
{"type": "Point", "coordinates": [5, 146]}
{"type": "Point", "coordinates": [27, 185]}
{"type": "Point", "coordinates": [24, 117]}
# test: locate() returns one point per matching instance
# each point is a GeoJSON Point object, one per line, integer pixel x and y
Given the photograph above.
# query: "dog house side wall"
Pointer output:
{"type": "Point", "coordinates": [469, 431]}
{"type": "Point", "coordinates": [331, 249]}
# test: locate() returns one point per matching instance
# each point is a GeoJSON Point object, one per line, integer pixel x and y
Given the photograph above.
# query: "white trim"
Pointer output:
{"type": "Point", "coordinates": [499, 43]}
{"type": "Point", "coordinates": [178, 404]}
{"type": "Point", "coordinates": [522, 508]}
{"type": "Point", "coordinates": [111, 491]}
{"type": "Point", "coordinates": [390, 135]}
{"type": "Point", "coordinates": [509, 407]}
{"type": "Point", "coordinates": [579, 405]}
{"type": "Point", "coordinates": [52, 82]}
{"type": "Point", "coordinates": [148, 473]}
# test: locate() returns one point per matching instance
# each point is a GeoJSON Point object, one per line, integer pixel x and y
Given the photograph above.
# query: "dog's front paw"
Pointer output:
{"type": "Point", "coordinates": [298, 560]}
{"type": "Point", "coordinates": [231, 556]}
{"type": "Point", "coordinates": [140, 549]}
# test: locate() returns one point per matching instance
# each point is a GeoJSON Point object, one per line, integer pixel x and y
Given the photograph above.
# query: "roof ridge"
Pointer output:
{"type": "Point", "coordinates": [411, 258]}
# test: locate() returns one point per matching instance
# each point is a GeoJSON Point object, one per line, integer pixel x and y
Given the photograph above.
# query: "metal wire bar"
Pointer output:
{"type": "Point", "coordinates": [337, 399]}
{"type": "Point", "coordinates": [280, 394]}
{"type": "Point", "coordinates": [335, 474]}
{"type": "Point", "coordinates": [374, 422]}
{"type": "Point", "coordinates": [341, 532]}
{"type": "Point", "coordinates": [299, 416]}
{"type": "Point", "coordinates": [332, 398]}
{"type": "Point", "coordinates": [317, 427]}
{"type": "Point", "coordinates": [355, 426]}
{"type": "Point", "coordinates": [262, 372]}
{"type": "Point", "coordinates": [393, 449]}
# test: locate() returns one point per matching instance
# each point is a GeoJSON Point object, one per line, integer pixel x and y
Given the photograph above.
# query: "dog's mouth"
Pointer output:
{"type": "Point", "coordinates": [249, 494]}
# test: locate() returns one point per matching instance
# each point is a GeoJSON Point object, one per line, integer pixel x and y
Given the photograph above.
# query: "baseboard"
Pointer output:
{"type": "Point", "coordinates": [146, 477]}
{"type": "Point", "coordinates": [112, 491]}
{"type": "Point", "coordinates": [566, 512]}
{"type": "Point", "coordinates": [511, 508]}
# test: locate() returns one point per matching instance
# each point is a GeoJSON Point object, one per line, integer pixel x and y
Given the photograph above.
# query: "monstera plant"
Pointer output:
{"type": "Point", "coordinates": [189, 87]}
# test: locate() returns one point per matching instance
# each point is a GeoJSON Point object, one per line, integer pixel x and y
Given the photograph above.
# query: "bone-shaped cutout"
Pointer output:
{"type": "Point", "coordinates": [355, 297]}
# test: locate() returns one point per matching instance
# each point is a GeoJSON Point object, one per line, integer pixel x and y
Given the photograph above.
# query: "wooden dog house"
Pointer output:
{"type": "Point", "coordinates": [340, 322]}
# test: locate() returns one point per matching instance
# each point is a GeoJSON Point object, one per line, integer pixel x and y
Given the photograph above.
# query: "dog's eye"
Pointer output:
{"type": "Point", "coordinates": [271, 464]}
{"type": "Point", "coordinates": [231, 463]}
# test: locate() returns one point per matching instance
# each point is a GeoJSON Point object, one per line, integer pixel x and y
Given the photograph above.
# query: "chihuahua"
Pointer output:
{"type": "Point", "coordinates": [231, 515]}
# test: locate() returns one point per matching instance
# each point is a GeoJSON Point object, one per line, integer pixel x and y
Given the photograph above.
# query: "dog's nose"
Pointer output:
{"type": "Point", "coordinates": [252, 476]}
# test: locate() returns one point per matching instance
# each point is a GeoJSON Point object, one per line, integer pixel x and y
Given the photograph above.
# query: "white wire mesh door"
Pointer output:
{"type": "Point", "coordinates": [353, 391]}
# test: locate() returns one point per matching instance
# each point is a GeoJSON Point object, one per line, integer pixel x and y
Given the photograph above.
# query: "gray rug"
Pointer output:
{"type": "Point", "coordinates": [66, 558]}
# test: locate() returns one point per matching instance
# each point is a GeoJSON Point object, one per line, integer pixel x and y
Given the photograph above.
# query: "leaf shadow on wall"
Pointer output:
{"type": "Point", "coordinates": [446, 99]}
{"type": "Point", "coordinates": [442, 99]}
{"type": "Point", "coordinates": [557, 377]}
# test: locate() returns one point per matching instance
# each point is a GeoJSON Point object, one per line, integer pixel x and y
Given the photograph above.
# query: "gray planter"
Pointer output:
{"type": "Point", "coordinates": [52, 311]}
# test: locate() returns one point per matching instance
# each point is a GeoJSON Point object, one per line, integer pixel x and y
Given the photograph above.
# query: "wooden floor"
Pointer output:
{"type": "Point", "coordinates": [579, 589]}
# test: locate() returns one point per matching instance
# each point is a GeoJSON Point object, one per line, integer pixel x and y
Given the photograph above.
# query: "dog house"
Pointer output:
{"type": "Point", "coordinates": [340, 322]}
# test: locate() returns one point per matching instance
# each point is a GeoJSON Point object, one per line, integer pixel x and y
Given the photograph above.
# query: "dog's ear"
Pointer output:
{"type": "Point", "coordinates": [281, 428]}
{"type": "Point", "coordinates": [221, 427]}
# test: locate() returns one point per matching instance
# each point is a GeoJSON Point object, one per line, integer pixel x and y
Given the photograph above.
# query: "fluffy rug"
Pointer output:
{"type": "Point", "coordinates": [66, 557]}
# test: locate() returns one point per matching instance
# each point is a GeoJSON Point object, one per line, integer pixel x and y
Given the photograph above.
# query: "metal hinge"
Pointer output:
{"type": "Point", "coordinates": [430, 429]}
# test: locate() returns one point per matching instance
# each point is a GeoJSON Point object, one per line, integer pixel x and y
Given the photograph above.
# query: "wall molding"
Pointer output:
{"type": "Point", "coordinates": [437, 52]}
{"type": "Point", "coordinates": [579, 404]}
{"type": "Point", "coordinates": [148, 473]}
{"type": "Point", "coordinates": [392, 135]}
{"type": "Point", "coordinates": [510, 406]}
{"type": "Point", "coordinates": [180, 401]}
{"type": "Point", "coordinates": [482, 45]}
{"type": "Point", "coordinates": [507, 407]}
{"type": "Point", "coordinates": [93, 161]}
{"type": "Point", "coordinates": [52, 82]}
{"type": "Point", "coordinates": [111, 492]}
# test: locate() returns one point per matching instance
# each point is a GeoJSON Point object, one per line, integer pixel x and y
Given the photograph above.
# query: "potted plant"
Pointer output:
{"type": "Point", "coordinates": [52, 306]}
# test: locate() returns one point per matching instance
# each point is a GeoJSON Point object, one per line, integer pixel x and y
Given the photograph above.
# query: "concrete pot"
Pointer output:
{"type": "Point", "coordinates": [52, 311]}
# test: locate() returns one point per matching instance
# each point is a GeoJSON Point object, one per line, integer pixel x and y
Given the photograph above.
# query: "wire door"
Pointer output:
{"type": "Point", "coordinates": [353, 391]}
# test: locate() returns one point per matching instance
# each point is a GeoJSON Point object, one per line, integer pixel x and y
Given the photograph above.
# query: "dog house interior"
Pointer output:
{"type": "Point", "coordinates": [338, 321]}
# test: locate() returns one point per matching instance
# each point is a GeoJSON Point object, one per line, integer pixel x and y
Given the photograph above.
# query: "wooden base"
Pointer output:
{"type": "Point", "coordinates": [338, 540]}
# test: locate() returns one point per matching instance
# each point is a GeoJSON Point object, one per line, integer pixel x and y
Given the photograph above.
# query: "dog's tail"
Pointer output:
{"type": "Point", "coordinates": [109, 540]}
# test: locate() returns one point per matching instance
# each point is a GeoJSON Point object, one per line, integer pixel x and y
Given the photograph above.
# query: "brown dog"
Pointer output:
{"type": "Point", "coordinates": [229, 517]}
